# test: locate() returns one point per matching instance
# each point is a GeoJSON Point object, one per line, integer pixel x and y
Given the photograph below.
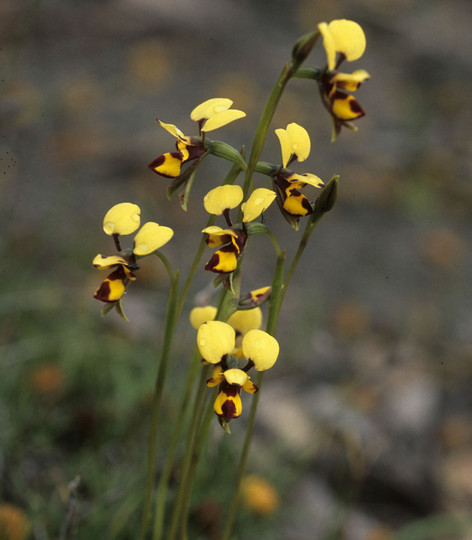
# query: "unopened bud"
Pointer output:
{"type": "Point", "coordinates": [327, 198]}
{"type": "Point", "coordinates": [225, 151]}
{"type": "Point", "coordinates": [303, 46]}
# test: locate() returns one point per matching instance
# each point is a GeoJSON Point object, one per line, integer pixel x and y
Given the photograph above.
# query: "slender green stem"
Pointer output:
{"type": "Point", "coordinates": [166, 264]}
{"type": "Point", "coordinates": [193, 268]}
{"type": "Point", "coordinates": [198, 407]}
{"type": "Point", "coordinates": [274, 310]}
{"type": "Point", "coordinates": [299, 54]}
{"type": "Point", "coordinates": [169, 327]}
{"type": "Point", "coordinates": [163, 483]}
{"type": "Point", "coordinates": [263, 126]}
{"type": "Point", "coordinates": [202, 438]}
{"type": "Point", "coordinates": [161, 495]}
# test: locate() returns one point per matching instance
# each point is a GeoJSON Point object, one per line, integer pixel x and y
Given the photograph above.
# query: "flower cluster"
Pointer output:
{"type": "Point", "coordinates": [124, 219]}
{"type": "Point", "coordinates": [231, 241]}
{"type": "Point", "coordinates": [238, 345]}
{"type": "Point", "coordinates": [342, 40]}
{"type": "Point", "coordinates": [217, 343]}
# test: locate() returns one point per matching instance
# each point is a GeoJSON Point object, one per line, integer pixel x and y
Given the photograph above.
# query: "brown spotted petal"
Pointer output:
{"type": "Point", "coordinates": [228, 404]}
{"type": "Point", "coordinates": [113, 287]}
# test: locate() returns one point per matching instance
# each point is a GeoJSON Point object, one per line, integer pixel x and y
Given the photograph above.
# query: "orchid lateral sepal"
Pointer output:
{"type": "Point", "coordinates": [224, 424]}
{"type": "Point", "coordinates": [226, 280]}
{"type": "Point", "coordinates": [183, 178]}
{"type": "Point", "coordinates": [226, 151]}
{"type": "Point", "coordinates": [117, 306]}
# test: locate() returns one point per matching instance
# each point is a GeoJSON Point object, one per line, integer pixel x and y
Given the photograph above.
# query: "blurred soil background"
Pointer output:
{"type": "Point", "coordinates": [364, 428]}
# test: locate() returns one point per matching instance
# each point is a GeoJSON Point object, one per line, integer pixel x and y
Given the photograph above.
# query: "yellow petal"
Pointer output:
{"type": "Point", "coordinates": [228, 406]}
{"type": "Point", "coordinates": [123, 218]}
{"type": "Point", "coordinates": [296, 204]}
{"type": "Point", "coordinates": [216, 377]}
{"type": "Point", "coordinates": [300, 141]}
{"type": "Point", "coordinates": [224, 261]}
{"type": "Point", "coordinates": [258, 202]}
{"type": "Point", "coordinates": [113, 288]}
{"type": "Point", "coordinates": [222, 198]}
{"type": "Point", "coordinates": [307, 178]}
{"type": "Point", "coordinates": [222, 119]}
{"type": "Point", "coordinates": [349, 38]}
{"type": "Point", "coordinates": [173, 130]}
{"type": "Point", "coordinates": [235, 376]}
{"type": "Point", "coordinates": [214, 230]}
{"type": "Point", "coordinates": [102, 262]}
{"type": "Point", "coordinates": [200, 315]}
{"type": "Point", "coordinates": [214, 340]}
{"type": "Point", "coordinates": [294, 141]}
{"type": "Point", "coordinates": [328, 44]}
{"type": "Point", "coordinates": [346, 107]}
{"type": "Point", "coordinates": [261, 348]}
{"type": "Point", "coordinates": [250, 387]}
{"type": "Point", "coordinates": [244, 320]}
{"type": "Point", "coordinates": [150, 237]}
{"type": "Point", "coordinates": [210, 108]}
{"type": "Point", "coordinates": [168, 165]}
{"type": "Point", "coordinates": [218, 237]}
{"type": "Point", "coordinates": [352, 81]}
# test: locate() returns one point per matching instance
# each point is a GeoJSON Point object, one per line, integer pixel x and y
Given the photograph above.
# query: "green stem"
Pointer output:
{"type": "Point", "coordinates": [169, 327]}
{"type": "Point", "coordinates": [274, 310]}
{"type": "Point", "coordinates": [299, 54]}
{"type": "Point", "coordinates": [198, 407]}
{"type": "Point", "coordinates": [194, 439]}
{"type": "Point", "coordinates": [202, 437]}
{"type": "Point", "coordinates": [161, 495]}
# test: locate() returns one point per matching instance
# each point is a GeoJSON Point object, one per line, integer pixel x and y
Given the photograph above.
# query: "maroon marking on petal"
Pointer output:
{"type": "Point", "coordinates": [194, 152]}
{"type": "Point", "coordinates": [307, 206]}
{"type": "Point", "coordinates": [119, 273]}
{"type": "Point", "coordinates": [103, 292]}
{"type": "Point", "coordinates": [158, 161]}
{"type": "Point", "coordinates": [230, 390]}
{"type": "Point", "coordinates": [356, 108]}
{"type": "Point", "coordinates": [229, 248]}
{"type": "Point", "coordinates": [214, 261]}
{"type": "Point", "coordinates": [229, 410]}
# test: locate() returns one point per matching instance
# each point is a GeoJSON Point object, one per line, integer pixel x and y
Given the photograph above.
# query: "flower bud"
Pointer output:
{"type": "Point", "coordinates": [327, 199]}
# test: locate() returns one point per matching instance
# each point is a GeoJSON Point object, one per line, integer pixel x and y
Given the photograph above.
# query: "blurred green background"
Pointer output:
{"type": "Point", "coordinates": [364, 426]}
